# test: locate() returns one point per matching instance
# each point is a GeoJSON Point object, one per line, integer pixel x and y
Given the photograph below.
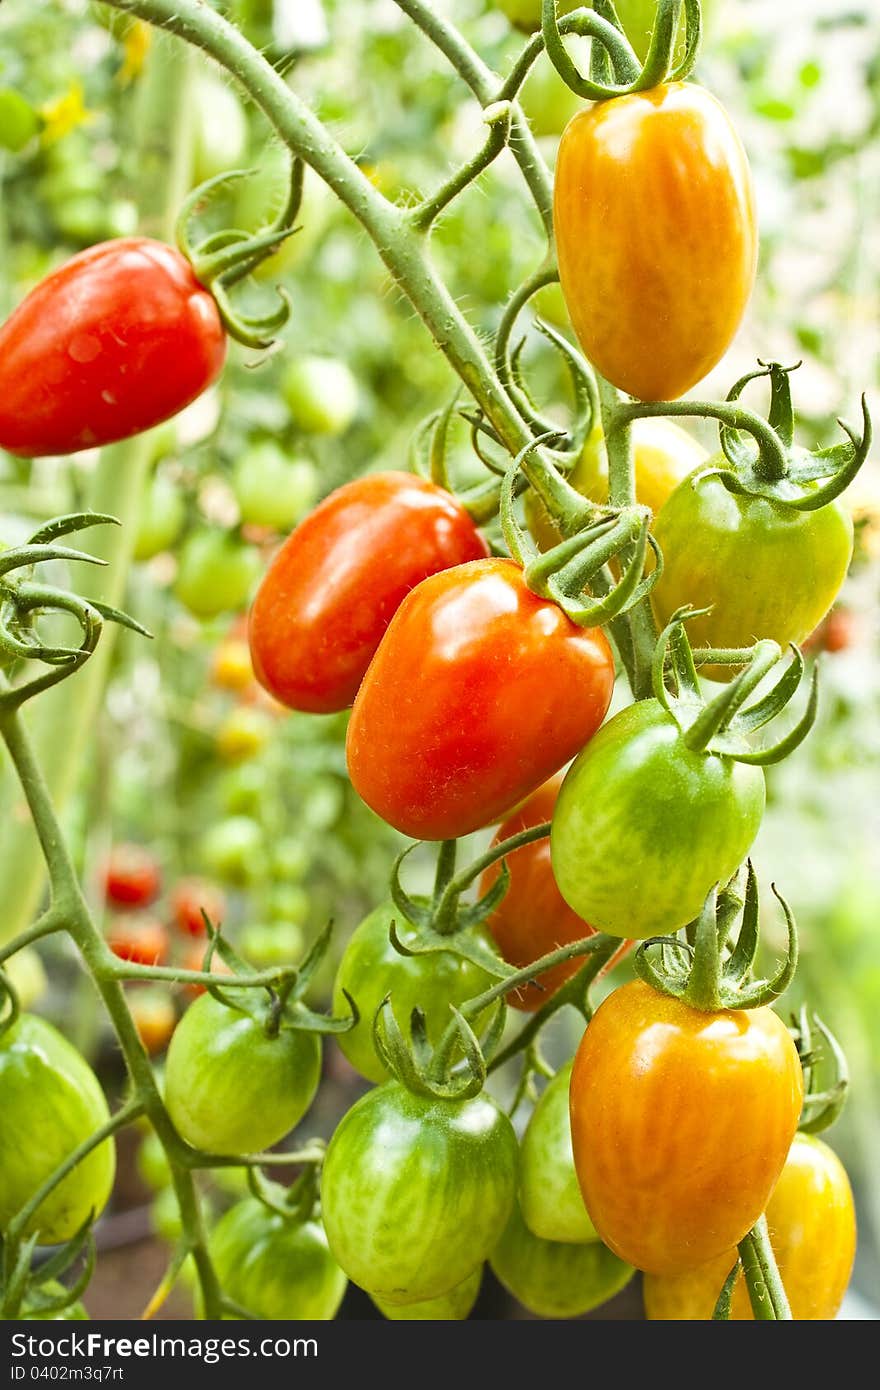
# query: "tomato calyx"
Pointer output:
{"type": "Point", "coordinates": [826, 1071]}
{"type": "Point", "coordinates": [709, 971]}
{"type": "Point", "coordinates": [614, 68]}
{"type": "Point", "coordinates": [40, 1290]}
{"type": "Point", "coordinates": [297, 1203]}
{"type": "Point", "coordinates": [455, 1070]}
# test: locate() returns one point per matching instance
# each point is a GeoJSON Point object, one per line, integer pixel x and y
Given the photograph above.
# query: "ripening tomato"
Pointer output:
{"type": "Point", "coordinates": [556, 1279]}
{"type": "Point", "coordinates": [812, 1221]}
{"type": "Point", "coordinates": [216, 573]}
{"type": "Point", "coordinates": [152, 1009]}
{"type": "Point", "coordinates": [137, 938]}
{"type": "Point", "coordinates": [151, 1162]}
{"type": "Point", "coordinates": [52, 1103]}
{"type": "Point", "coordinates": [234, 850]}
{"type": "Point", "coordinates": [243, 733]}
{"type": "Point", "coordinates": [549, 1192]}
{"type": "Point", "coordinates": [276, 1267]}
{"type": "Point", "coordinates": [230, 1088]}
{"type": "Point", "coordinates": [655, 231]}
{"type": "Point", "coordinates": [645, 826]}
{"type": "Point", "coordinates": [533, 918]}
{"type": "Point", "coordinates": [131, 876]}
{"type": "Point", "coordinates": [416, 1191]}
{"type": "Point", "coordinates": [681, 1122]}
{"type": "Point", "coordinates": [231, 667]}
{"type": "Point", "coordinates": [454, 1306]}
{"type": "Point", "coordinates": [767, 570]}
{"type": "Point", "coordinates": [193, 958]}
{"type": "Point", "coordinates": [190, 898]}
{"type": "Point", "coordinates": [331, 591]}
{"type": "Point", "coordinates": [478, 692]}
{"type": "Point", "coordinates": [117, 339]}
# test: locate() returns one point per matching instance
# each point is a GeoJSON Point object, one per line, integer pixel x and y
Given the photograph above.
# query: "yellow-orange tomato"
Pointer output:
{"type": "Point", "coordinates": [681, 1122]}
{"type": "Point", "coordinates": [655, 230]}
{"type": "Point", "coordinates": [231, 667]}
{"type": "Point", "coordinates": [812, 1222]}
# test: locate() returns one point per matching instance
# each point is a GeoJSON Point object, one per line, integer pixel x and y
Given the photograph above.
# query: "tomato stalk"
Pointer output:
{"type": "Point", "coordinates": [766, 1291]}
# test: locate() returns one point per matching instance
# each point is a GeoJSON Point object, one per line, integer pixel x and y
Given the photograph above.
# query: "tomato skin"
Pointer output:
{"type": "Point", "coordinates": [371, 968]}
{"type": "Point", "coordinates": [812, 1222]}
{"type": "Point", "coordinates": [131, 876]}
{"type": "Point", "coordinates": [555, 1279]}
{"type": "Point", "coordinates": [117, 339]}
{"type": "Point", "coordinates": [232, 1089]}
{"type": "Point", "coordinates": [533, 918]}
{"type": "Point", "coordinates": [143, 940]}
{"type": "Point", "coordinates": [655, 229]}
{"type": "Point", "coordinates": [681, 1122]}
{"type": "Point", "coordinates": [189, 898]}
{"type": "Point", "coordinates": [549, 1193]}
{"type": "Point", "coordinates": [274, 1267]}
{"type": "Point", "coordinates": [478, 693]}
{"type": "Point", "coordinates": [321, 393]}
{"type": "Point", "coordinates": [416, 1192]}
{"type": "Point", "coordinates": [52, 1103]}
{"type": "Point", "coordinates": [767, 570]}
{"type": "Point", "coordinates": [331, 591]}
{"type": "Point", "coordinates": [454, 1306]}
{"type": "Point", "coordinates": [644, 826]}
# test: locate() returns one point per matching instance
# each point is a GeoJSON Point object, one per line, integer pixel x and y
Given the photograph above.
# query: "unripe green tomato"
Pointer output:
{"type": "Point", "coordinates": [291, 858]}
{"type": "Point", "coordinates": [290, 903]}
{"type": "Point", "coordinates": [243, 789]}
{"type": "Point", "coordinates": [165, 1218]}
{"type": "Point", "coordinates": [273, 489]}
{"type": "Point", "coordinates": [264, 944]}
{"type": "Point", "coordinates": [526, 14]}
{"type": "Point", "coordinates": [160, 519]}
{"type": "Point", "coordinates": [19, 121]}
{"type": "Point", "coordinates": [275, 1267]}
{"type": "Point", "coordinates": [54, 1290]}
{"type": "Point", "coordinates": [454, 1306]}
{"type": "Point", "coordinates": [152, 1162]}
{"type": "Point", "coordinates": [234, 851]}
{"type": "Point", "coordinates": [220, 129]}
{"type": "Point", "coordinates": [556, 1279]}
{"type": "Point", "coordinates": [371, 968]}
{"type": "Point", "coordinates": [230, 1088]}
{"type": "Point", "coordinates": [548, 102]}
{"type": "Point", "coordinates": [27, 975]}
{"type": "Point", "coordinates": [51, 1103]}
{"type": "Point", "coordinates": [321, 394]}
{"type": "Point", "coordinates": [217, 573]}
{"type": "Point", "coordinates": [549, 1193]}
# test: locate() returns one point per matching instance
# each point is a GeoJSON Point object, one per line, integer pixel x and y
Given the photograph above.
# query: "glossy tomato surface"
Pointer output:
{"type": "Point", "coordinates": [812, 1222]}
{"type": "Point", "coordinates": [644, 826]}
{"type": "Point", "coordinates": [478, 693]}
{"type": "Point", "coordinates": [276, 1267]}
{"type": "Point", "coordinates": [655, 230]}
{"type": "Point", "coordinates": [454, 1306]}
{"type": "Point", "coordinates": [533, 918]}
{"type": "Point", "coordinates": [549, 1193]}
{"type": "Point", "coordinates": [553, 1279]}
{"type": "Point", "coordinates": [332, 589]}
{"type": "Point", "coordinates": [681, 1122]}
{"type": "Point", "coordinates": [119, 338]}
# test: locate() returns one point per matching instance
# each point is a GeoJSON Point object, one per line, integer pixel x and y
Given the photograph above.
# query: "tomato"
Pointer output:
{"type": "Point", "coordinates": [131, 876]}
{"type": "Point", "coordinates": [766, 569]}
{"type": "Point", "coordinates": [278, 1268]}
{"type": "Point", "coordinates": [812, 1222]}
{"type": "Point", "coordinates": [644, 826]}
{"type": "Point", "coordinates": [680, 1122]}
{"type": "Point", "coordinates": [165, 1218]}
{"type": "Point", "coordinates": [416, 1192]}
{"type": "Point", "coordinates": [154, 1016]}
{"type": "Point", "coordinates": [230, 1088]}
{"type": "Point", "coordinates": [216, 573]}
{"type": "Point", "coordinates": [52, 1290]}
{"type": "Point", "coordinates": [321, 394]}
{"type": "Point", "coordinates": [233, 849]}
{"type": "Point", "coordinates": [161, 518]}
{"type": "Point", "coordinates": [552, 1278]}
{"type": "Point", "coordinates": [141, 939]}
{"type": "Point", "coordinates": [27, 974]}
{"type": "Point", "coordinates": [454, 1306]}
{"type": "Point", "coordinates": [837, 632]}
{"type": "Point", "coordinates": [271, 943]}
{"type": "Point", "coordinates": [533, 917]}
{"type": "Point", "coordinates": [193, 896]}
{"type": "Point", "coordinates": [478, 692]}
{"type": "Point", "coordinates": [119, 338]}
{"type": "Point", "coordinates": [547, 101]}
{"type": "Point", "coordinates": [194, 959]}
{"type": "Point", "coordinates": [549, 1194]}
{"type": "Point", "coordinates": [152, 1162]}
{"type": "Point", "coordinates": [331, 591]}
{"type": "Point", "coordinates": [273, 489]}
{"type": "Point", "coordinates": [526, 14]}
{"type": "Point", "coordinates": [655, 231]}
{"type": "Point", "coordinates": [243, 734]}
{"type": "Point", "coordinates": [52, 1103]}
{"type": "Point", "coordinates": [242, 789]}
{"type": "Point", "coordinates": [220, 128]}
{"type": "Point", "coordinates": [289, 903]}
{"type": "Point", "coordinates": [231, 667]}
{"type": "Point", "coordinates": [371, 968]}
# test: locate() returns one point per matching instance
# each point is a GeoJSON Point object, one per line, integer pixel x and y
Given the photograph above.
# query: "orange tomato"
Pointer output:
{"type": "Point", "coordinates": [154, 1015]}
{"type": "Point", "coordinates": [681, 1122]}
{"type": "Point", "coordinates": [812, 1222]}
{"type": "Point", "coordinates": [655, 230]}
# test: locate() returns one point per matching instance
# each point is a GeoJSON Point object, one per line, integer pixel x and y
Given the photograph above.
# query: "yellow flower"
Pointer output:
{"type": "Point", "coordinates": [135, 46]}
{"type": "Point", "coordinates": [64, 114]}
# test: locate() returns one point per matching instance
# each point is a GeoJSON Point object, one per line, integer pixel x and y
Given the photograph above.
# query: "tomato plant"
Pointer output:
{"type": "Point", "coordinates": [454, 1306]}
{"type": "Point", "coordinates": [322, 395]}
{"type": "Point", "coordinates": [216, 573]}
{"type": "Point", "coordinates": [273, 489]}
{"type": "Point", "coordinates": [162, 518]}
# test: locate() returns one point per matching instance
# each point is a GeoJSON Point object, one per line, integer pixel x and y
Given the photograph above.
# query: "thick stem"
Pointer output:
{"type": "Point", "coordinates": [766, 1291]}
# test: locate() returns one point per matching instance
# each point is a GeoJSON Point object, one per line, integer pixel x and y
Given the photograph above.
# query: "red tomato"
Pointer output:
{"type": "Point", "coordinates": [190, 897]}
{"type": "Point", "coordinates": [337, 581]}
{"type": "Point", "coordinates": [143, 940]}
{"type": "Point", "coordinates": [116, 340]}
{"type": "Point", "coordinates": [533, 918]}
{"type": "Point", "coordinates": [478, 692]}
{"type": "Point", "coordinates": [131, 876]}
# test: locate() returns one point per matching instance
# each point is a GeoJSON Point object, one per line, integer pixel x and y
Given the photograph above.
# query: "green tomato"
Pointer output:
{"type": "Point", "coordinates": [264, 944]}
{"type": "Point", "coordinates": [243, 789]}
{"type": "Point", "coordinates": [230, 1088]}
{"type": "Point", "coordinates": [51, 1103]}
{"type": "Point", "coordinates": [549, 1193]}
{"type": "Point", "coordinates": [765, 569]}
{"type": "Point", "coordinates": [272, 489]}
{"type": "Point", "coordinates": [233, 850]}
{"type": "Point", "coordinates": [644, 826]}
{"type": "Point", "coordinates": [291, 858]}
{"type": "Point", "coordinates": [321, 394]}
{"type": "Point", "coordinates": [51, 1290]}
{"type": "Point", "coordinates": [547, 101]}
{"type": "Point", "coordinates": [165, 1218]}
{"type": "Point", "coordinates": [289, 903]}
{"type": "Point", "coordinates": [371, 968]}
{"type": "Point", "coordinates": [220, 129]}
{"type": "Point", "coordinates": [276, 1267]}
{"type": "Point", "coordinates": [416, 1191]}
{"type": "Point", "coordinates": [454, 1306]}
{"type": "Point", "coordinates": [161, 518]}
{"type": "Point", "coordinates": [152, 1162]}
{"type": "Point", "coordinates": [216, 574]}
{"type": "Point", "coordinates": [526, 14]}
{"type": "Point", "coordinates": [19, 121]}
{"type": "Point", "coordinates": [556, 1279]}
{"type": "Point", "coordinates": [27, 975]}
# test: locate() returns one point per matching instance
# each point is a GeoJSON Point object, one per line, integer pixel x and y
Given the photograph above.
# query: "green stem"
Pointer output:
{"type": "Point", "coordinates": [427, 212]}
{"type": "Point", "coordinates": [766, 1292]}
